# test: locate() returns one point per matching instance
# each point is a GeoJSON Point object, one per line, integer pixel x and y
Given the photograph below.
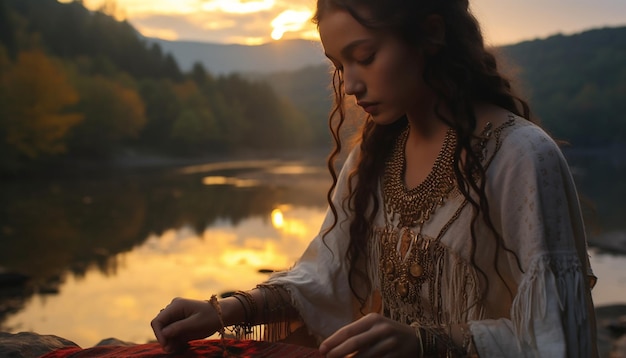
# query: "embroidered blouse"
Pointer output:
{"type": "Point", "coordinates": [537, 303]}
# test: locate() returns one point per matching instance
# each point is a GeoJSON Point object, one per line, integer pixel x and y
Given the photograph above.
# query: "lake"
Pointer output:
{"type": "Point", "coordinates": [104, 252]}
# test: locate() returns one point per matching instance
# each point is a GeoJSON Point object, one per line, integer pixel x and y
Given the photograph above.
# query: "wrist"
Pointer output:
{"type": "Point", "coordinates": [232, 311]}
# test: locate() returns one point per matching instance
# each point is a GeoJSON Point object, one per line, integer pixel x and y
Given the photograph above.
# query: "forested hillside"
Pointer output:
{"type": "Point", "coordinates": [77, 84]}
{"type": "Point", "coordinates": [577, 84]}
{"type": "Point", "coordinates": [80, 84]}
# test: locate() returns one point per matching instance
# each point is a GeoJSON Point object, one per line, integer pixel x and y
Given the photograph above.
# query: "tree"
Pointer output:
{"type": "Point", "coordinates": [113, 113]}
{"type": "Point", "coordinates": [36, 95]}
{"type": "Point", "coordinates": [162, 109]}
{"type": "Point", "coordinates": [195, 129]}
{"type": "Point", "coordinates": [7, 31]}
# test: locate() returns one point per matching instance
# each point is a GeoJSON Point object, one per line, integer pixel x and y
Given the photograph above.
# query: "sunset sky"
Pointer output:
{"type": "Point", "coordinates": [260, 21]}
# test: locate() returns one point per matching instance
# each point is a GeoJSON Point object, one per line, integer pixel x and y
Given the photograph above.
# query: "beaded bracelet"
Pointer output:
{"type": "Point", "coordinates": [278, 303]}
{"type": "Point", "coordinates": [251, 302]}
{"type": "Point", "coordinates": [216, 305]}
{"type": "Point", "coordinates": [246, 314]}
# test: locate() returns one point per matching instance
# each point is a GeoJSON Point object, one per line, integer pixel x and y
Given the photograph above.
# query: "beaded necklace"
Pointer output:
{"type": "Point", "coordinates": [411, 261]}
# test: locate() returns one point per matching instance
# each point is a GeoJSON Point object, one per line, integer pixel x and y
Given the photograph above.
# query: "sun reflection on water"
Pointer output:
{"type": "Point", "coordinates": [176, 263]}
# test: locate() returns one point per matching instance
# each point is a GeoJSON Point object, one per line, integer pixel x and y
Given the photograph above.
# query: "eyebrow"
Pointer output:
{"type": "Point", "coordinates": [347, 50]}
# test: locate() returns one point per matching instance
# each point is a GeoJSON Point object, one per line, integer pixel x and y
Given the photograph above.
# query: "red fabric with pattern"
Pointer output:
{"type": "Point", "coordinates": [200, 348]}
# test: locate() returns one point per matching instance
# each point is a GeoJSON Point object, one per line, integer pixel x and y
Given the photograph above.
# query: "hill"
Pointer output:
{"type": "Point", "coordinates": [576, 85]}
{"type": "Point", "coordinates": [77, 83]}
{"type": "Point", "coordinates": [80, 85]}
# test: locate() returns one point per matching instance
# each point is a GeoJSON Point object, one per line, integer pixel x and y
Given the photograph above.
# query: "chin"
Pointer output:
{"type": "Point", "coordinates": [385, 119]}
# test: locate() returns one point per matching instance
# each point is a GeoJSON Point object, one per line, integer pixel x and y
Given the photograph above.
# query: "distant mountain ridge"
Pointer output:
{"type": "Point", "coordinates": [576, 85]}
{"type": "Point", "coordinates": [283, 55]}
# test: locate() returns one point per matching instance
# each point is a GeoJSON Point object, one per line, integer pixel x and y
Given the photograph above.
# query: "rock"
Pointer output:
{"type": "Point", "coordinates": [30, 345]}
{"type": "Point", "coordinates": [114, 342]}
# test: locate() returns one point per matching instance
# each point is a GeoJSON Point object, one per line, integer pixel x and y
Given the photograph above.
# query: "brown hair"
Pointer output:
{"type": "Point", "coordinates": [461, 73]}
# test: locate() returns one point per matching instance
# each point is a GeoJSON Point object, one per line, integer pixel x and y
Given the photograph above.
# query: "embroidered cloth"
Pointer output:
{"type": "Point", "coordinates": [199, 348]}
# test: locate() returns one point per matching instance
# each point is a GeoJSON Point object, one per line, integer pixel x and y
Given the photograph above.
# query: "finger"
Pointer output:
{"type": "Point", "coordinates": [171, 313]}
{"type": "Point", "coordinates": [193, 327]}
{"type": "Point", "coordinates": [158, 324]}
{"type": "Point", "coordinates": [170, 337]}
{"type": "Point", "coordinates": [347, 340]}
{"type": "Point", "coordinates": [348, 347]}
{"type": "Point", "coordinates": [378, 349]}
{"type": "Point", "coordinates": [345, 333]}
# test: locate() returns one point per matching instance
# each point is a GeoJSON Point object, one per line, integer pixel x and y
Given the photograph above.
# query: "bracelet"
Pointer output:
{"type": "Point", "coordinates": [246, 314]}
{"type": "Point", "coordinates": [278, 303]}
{"type": "Point", "coordinates": [216, 305]}
{"type": "Point", "coordinates": [251, 302]}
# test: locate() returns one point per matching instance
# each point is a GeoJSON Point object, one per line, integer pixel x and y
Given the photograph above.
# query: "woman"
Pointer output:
{"type": "Point", "coordinates": [454, 227]}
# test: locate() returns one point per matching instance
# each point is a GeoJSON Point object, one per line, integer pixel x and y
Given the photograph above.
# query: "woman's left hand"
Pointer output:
{"type": "Point", "coordinates": [372, 336]}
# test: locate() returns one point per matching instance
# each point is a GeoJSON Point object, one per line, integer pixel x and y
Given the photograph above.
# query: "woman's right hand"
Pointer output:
{"type": "Point", "coordinates": [184, 320]}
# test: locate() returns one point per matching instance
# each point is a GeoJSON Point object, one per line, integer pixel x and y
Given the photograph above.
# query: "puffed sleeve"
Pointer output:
{"type": "Point", "coordinates": [318, 282]}
{"type": "Point", "coordinates": [535, 206]}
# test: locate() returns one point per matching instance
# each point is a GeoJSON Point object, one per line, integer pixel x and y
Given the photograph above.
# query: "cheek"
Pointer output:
{"type": "Point", "coordinates": [404, 84]}
{"type": "Point", "coordinates": [403, 73]}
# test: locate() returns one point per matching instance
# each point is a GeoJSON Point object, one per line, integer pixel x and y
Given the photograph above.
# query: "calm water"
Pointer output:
{"type": "Point", "coordinates": [106, 253]}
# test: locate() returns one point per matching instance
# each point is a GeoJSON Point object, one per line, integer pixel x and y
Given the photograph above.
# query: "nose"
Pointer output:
{"type": "Point", "coordinates": [352, 82]}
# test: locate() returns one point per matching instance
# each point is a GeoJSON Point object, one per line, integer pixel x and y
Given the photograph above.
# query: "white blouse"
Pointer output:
{"type": "Point", "coordinates": [540, 310]}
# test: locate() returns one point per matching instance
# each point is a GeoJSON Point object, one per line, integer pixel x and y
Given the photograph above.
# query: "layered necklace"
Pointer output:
{"type": "Point", "coordinates": [409, 260]}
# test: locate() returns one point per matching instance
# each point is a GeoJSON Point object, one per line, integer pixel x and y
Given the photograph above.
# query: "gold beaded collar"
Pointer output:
{"type": "Point", "coordinates": [415, 206]}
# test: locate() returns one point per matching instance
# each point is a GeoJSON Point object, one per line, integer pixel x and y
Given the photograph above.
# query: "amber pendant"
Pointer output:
{"type": "Point", "coordinates": [407, 236]}
{"type": "Point", "coordinates": [416, 270]}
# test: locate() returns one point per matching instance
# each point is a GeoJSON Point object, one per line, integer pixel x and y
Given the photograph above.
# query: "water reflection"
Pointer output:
{"type": "Point", "coordinates": [66, 234]}
{"type": "Point", "coordinates": [106, 253]}
{"type": "Point", "coordinates": [174, 263]}
{"type": "Point", "coordinates": [236, 182]}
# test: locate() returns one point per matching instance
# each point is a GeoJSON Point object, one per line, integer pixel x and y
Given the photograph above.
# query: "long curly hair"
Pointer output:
{"type": "Point", "coordinates": [461, 73]}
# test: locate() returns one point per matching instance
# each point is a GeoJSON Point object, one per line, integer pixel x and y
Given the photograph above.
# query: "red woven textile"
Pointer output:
{"type": "Point", "coordinates": [200, 348]}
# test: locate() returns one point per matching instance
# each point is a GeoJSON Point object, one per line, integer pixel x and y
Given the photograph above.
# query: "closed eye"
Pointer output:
{"type": "Point", "coordinates": [368, 60]}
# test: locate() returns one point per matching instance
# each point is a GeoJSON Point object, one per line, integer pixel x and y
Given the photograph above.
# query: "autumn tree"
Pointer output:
{"type": "Point", "coordinates": [35, 95]}
{"type": "Point", "coordinates": [114, 113]}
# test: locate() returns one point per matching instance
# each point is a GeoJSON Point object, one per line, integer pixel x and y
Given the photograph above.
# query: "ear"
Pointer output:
{"type": "Point", "coordinates": [434, 30]}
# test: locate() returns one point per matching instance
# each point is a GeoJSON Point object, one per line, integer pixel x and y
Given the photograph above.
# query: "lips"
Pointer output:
{"type": "Point", "coordinates": [369, 107]}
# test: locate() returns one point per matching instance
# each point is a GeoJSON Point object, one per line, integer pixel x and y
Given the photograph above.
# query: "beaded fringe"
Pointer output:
{"type": "Point", "coordinates": [270, 332]}
{"type": "Point", "coordinates": [461, 280]}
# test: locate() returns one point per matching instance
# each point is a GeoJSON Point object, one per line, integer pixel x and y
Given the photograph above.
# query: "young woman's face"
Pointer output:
{"type": "Point", "coordinates": [383, 73]}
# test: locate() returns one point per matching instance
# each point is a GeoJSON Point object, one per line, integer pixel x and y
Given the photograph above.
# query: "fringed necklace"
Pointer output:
{"type": "Point", "coordinates": [408, 260]}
